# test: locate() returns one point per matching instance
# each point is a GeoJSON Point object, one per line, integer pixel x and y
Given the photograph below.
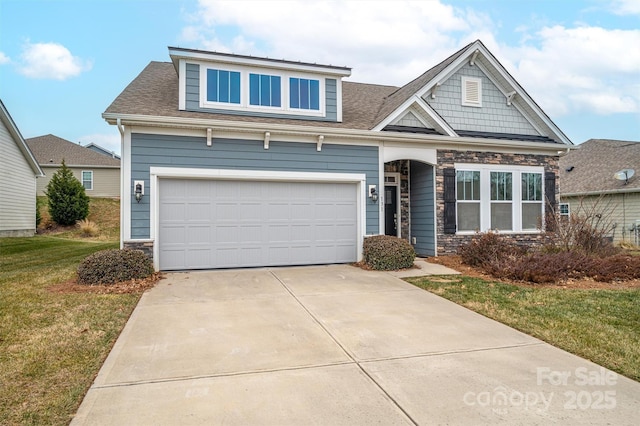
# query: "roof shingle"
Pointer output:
{"type": "Point", "coordinates": [51, 150]}
{"type": "Point", "coordinates": [594, 164]}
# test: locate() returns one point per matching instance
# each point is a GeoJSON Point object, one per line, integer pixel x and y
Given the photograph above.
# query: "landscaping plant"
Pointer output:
{"type": "Point", "coordinates": [386, 253]}
{"type": "Point", "coordinates": [113, 266]}
{"type": "Point", "coordinates": [68, 202]}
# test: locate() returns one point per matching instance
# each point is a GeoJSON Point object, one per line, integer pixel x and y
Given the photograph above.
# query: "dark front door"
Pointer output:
{"type": "Point", "coordinates": [391, 210]}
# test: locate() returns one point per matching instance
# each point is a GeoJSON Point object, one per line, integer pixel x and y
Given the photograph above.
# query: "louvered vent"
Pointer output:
{"type": "Point", "coordinates": [471, 91]}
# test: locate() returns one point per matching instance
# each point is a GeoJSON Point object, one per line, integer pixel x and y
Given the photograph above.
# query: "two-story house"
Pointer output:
{"type": "Point", "coordinates": [234, 161]}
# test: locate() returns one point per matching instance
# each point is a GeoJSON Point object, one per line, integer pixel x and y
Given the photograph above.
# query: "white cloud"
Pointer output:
{"type": "Point", "coordinates": [109, 141]}
{"type": "Point", "coordinates": [568, 70]}
{"type": "Point", "coordinates": [365, 36]}
{"type": "Point", "coordinates": [565, 69]}
{"type": "Point", "coordinates": [625, 7]}
{"type": "Point", "coordinates": [51, 61]}
{"type": "Point", "coordinates": [4, 59]}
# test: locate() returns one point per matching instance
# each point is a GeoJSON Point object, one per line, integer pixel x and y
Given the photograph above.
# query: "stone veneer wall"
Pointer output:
{"type": "Point", "coordinates": [449, 243]}
{"type": "Point", "coordinates": [146, 246]}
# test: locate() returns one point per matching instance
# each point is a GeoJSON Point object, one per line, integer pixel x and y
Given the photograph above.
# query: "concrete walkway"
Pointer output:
{"type": "Point", "coordinates": [336, 345]}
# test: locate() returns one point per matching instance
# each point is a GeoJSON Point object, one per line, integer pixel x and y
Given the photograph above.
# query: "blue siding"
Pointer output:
{"type": "Point", "coordinates": [422, 208]}
{"type": "Point", "coordinates": [494, 115]}
{"type": "Point", "coordinates": [193, 99]}
{"type": "Point", "coordinates": [192, 152]}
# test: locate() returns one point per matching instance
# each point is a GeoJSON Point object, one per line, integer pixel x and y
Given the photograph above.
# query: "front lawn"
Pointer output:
{"type": "Point", "coordinates": [52, 343]}
{"type": "Point", "coordinates": [601, 325]}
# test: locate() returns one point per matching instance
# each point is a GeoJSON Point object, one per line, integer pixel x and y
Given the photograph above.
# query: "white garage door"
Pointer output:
{"type": "Point", "coordinates": [226, 224]}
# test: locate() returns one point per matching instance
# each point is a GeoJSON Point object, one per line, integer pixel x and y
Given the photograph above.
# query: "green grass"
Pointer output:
{"type": "Point", "coordinates": [600, 325]}
{"type": "Point", "coordinates": [51, 344]}
{"type": "Point", "coordinates": [104, 212]}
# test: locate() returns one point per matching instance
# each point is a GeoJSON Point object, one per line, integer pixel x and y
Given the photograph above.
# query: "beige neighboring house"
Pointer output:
{"type": "Point", "coordinates": [588, 183]}
{"type": "Point", "coordinates": [99, 174]}
{"type": "Point", "coordinates": [18, 172]}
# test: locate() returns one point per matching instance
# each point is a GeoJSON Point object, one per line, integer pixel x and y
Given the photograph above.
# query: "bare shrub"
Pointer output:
{"type": "Point", "coordinates": [490, 251]}
{"type": "Point", "coordinates": [587, 229]}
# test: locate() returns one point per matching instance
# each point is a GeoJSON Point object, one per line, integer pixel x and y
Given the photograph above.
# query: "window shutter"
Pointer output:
{"type": "Point", "coordinates": [550, 197]}
{"type": "Point", "coordinates": [449, 201]}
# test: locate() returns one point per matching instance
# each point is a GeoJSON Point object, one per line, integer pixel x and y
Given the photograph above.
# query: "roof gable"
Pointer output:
{"type": "Point", "coordinates": [5, 117]}
{"type": "Point", "coordinates": [50, 150]}
{"type": "Point", "coordinates": [475, 54]}
{"type": "Point", "coordinates": [590, 168]}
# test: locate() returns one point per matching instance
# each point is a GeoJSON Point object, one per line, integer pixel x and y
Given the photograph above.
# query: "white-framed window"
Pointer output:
{"type": "Point", "coordinates": [564, 209]}
{"type": "Point", "coordinates": [264, 90]}
{"type": "Point", "coordinates": [87, 179]}
{"type": "Point", "coordinates": [468, 200]}
{"type": "Point", "coordinates": [471, 91]}
{"type": "Point", "coordinates": [502, 198]}
{"type": "Point", "coordinates": [234, 87]}
{"type": "Point", "coordinates": [531, 200]}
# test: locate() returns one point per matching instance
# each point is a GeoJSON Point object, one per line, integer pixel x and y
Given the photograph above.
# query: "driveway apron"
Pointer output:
{"type": "Point", "coordinates": [333, 345]}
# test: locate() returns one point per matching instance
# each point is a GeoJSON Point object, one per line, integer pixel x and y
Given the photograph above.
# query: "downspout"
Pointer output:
{"type": "Point", "coordinates": [122, 182]}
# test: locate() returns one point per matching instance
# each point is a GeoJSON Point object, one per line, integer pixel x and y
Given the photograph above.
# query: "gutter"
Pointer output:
{"type": "Point", "coordinates": [441, 141]}
{"type": "Point", "coordinates": [606, 192]}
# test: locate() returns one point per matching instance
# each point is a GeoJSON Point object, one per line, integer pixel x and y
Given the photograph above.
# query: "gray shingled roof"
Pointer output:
{"type": "Point", "coordinates": [154, 92]}
{"type": "Point", "coordinates": [396, 99]}
{"type": "Point", "coordinates": [51, 150]}
{"type": "Point", "coordinates": [595, 163]}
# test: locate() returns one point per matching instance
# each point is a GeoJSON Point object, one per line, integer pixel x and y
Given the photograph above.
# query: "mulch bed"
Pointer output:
{"type": "Point", "coordinates": [454, 262]}
{"type": "Point", "coordinates": [125, 287]}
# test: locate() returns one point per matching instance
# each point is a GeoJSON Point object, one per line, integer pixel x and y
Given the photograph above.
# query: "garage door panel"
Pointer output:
{"type": "Point", "coordinates": [224, 224]}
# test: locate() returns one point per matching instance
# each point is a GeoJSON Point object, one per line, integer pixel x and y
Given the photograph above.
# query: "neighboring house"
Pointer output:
{"type": "Point", "coordinates": [588, 185]}
{"type": "Point", "coordinates": [18, 173]}
{"type": "Point", "coordinates": [98, 173]}
{"type": "Point", "coordinates": [100, 150]}
{"type": "Point", "coordinates": [247, 161]}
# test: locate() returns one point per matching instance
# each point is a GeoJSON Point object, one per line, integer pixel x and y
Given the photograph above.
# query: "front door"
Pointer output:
{"type": "Point", "coordinates": [391, 210]}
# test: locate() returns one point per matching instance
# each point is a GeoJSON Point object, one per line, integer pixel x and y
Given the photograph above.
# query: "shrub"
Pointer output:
{"type": "Point", "coordinates": [113, 266]}
{"type": "Point", "coordinates": [68, 202]}
{"type": "Point", "coordinates": [88, 228]}
{"type": "Point", "coordinates": [38, 214]}
{"type": "Point", "coordinates": [588, 229]}
{"type": "Point", "coordinates": [385, 253]}
{"type": "Point", "coordinates": [490, 251]}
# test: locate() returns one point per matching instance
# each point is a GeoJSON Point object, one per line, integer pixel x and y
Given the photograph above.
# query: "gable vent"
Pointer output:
{"type": "Point", "coordinates": [471, 91]}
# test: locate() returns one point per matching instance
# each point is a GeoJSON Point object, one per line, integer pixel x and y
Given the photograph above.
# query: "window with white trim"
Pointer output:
{"type": "Point", "coordinates": [531, 201]}
{"type": "Point", "coordinates": [304, 93]}
{"type": "Point", "coordinates": [502, 198]}
{"type": "Point", "coordinates": [223, 86]}
{"type": "Point", "coordinates": [468, 200]}
{"type": "Point", "coordinates": [502, 201]}
{"type": "Point", "coordinates": [87, 180]}
{"type": "Point", "coordinates": [471, 91]}
{"type": "Point", "coordinates": [264, 90]}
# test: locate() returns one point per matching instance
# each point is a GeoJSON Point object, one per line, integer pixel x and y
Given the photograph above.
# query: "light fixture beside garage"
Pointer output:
{"type": "Point", "coordinates": [373, 193]}
{"type": "Point", "coordinates": [138, 189]}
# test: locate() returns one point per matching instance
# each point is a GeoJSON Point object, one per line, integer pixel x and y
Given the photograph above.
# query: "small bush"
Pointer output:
{"type": "Point", "coordinates": [88, 228]}
{"type": "Point", "coordinates": [490, 251]}
{"type": "Point", "coordinates": [386, 253]}
{"type": "Point", "coordinates": [113, 266]}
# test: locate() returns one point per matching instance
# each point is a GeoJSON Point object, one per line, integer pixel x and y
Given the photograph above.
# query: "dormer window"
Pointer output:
{"type": "Point", "coordinates": [264, 90]}
{"type": "Point", "coordinates": [471, 91]}
{"type": "Point", "coordinates": [223, 86]}
{"type": "Point", "coordinates": [304, 94]}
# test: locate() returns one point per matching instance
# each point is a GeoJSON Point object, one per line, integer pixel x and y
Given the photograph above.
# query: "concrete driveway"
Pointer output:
{"type": "Point", "coordinates": [336, 345]}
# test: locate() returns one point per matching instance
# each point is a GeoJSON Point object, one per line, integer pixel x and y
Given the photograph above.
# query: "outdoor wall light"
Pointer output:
{"type": "Point", "coordinates": [139, 191]}
{"type": "Point", "coordinates": [373, 193]}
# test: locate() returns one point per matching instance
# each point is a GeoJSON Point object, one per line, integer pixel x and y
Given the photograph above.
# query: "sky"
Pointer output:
{"type": "Point", "coordinates": [62, 62]}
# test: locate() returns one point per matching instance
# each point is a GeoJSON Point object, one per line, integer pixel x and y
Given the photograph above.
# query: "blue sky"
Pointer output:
{"type": "Point", "coordinates": [63, 62]}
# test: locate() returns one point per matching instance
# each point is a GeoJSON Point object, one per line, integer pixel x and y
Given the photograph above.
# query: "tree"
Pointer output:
{"type": "Point", "coordinates": [68, 202]}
